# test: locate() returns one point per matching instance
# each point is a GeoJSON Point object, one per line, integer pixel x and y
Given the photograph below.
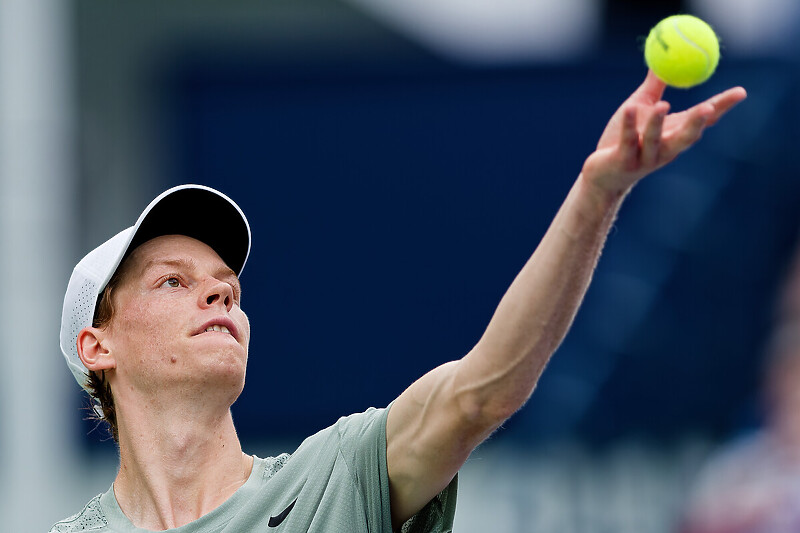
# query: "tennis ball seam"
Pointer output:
{"type": "Point", "coordinates": [694, 44]}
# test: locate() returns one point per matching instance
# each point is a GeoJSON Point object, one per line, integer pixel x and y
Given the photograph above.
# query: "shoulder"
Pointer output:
{"type": "Point", "coordinates": [271, 465]}
{"type": "Point", "coordinates": [355, 426]}
{"type": "Point", "coordinates": [91, 518]}
{"type": "Point", "coordinates": [346, 431]}
{"type": "Point", "coordinates": [350, 438]}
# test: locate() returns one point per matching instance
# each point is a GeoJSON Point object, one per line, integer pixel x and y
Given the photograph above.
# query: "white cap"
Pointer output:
{"type": "Point", "coordinates": [193, 210]}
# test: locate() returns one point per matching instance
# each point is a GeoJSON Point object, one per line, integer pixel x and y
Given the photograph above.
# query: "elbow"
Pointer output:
{"type": "Point", "coordinates": [500, 410]}
{"type": "Point", "coordinates": [484, 413]}
{"type": "Point", "coordinates": [491, 388]}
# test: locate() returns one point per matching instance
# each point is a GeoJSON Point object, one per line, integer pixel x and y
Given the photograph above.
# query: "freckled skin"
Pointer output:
{"type": "Point", "coordinates": [154, 333]}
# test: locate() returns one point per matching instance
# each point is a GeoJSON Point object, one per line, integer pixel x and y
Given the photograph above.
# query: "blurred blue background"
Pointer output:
{"type": "Point", "coordinates": [398, 164]}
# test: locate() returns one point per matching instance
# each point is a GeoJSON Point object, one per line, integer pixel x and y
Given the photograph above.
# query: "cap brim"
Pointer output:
{"type": "Point", "coordinates": [201, 213]}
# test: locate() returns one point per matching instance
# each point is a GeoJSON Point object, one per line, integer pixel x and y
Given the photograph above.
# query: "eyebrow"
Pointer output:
{"type": "Point", "coordinates": [223, 273]}
{"type": "Point", "coordinates": [188, 263]}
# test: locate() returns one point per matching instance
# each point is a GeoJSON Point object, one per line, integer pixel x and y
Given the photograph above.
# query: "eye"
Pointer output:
{"type": "Point", "coordinates": [172, 282]}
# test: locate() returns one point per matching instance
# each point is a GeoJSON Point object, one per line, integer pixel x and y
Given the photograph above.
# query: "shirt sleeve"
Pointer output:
{"type": "Point", "coordinates": [362, 443]}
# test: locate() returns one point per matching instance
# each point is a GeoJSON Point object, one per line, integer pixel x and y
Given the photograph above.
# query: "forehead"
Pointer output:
{"type": "Point", "coordinates": [173, 250]}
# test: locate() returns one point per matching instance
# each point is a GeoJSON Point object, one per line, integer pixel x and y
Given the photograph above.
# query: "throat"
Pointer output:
{"type": "Point", "coordinates": [170, 478]}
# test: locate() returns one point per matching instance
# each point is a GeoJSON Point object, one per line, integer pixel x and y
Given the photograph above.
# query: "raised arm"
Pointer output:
{"type": "Point", "coordinates": [436, 423]}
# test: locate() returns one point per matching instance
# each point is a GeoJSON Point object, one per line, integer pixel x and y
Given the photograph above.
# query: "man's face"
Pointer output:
{"type": "Point", "coordinates": [177, 326]}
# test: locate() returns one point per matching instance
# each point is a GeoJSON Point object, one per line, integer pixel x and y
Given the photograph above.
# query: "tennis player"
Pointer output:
{"type": "Point", "coordinates": [153, 328]}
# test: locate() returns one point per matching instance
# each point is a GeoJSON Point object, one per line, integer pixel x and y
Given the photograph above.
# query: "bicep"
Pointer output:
{"type": "Point", "coordinates": [429, 436]}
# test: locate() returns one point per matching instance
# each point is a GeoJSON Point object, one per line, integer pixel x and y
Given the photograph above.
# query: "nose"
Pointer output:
{"type": "Point", "coordinates": [217, 293]}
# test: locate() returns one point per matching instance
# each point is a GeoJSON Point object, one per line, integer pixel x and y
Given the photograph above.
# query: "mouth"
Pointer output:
{"type": "Point", "coordinates": [222, 325]}
{"type": "Point", "coordinates": [216, 327]}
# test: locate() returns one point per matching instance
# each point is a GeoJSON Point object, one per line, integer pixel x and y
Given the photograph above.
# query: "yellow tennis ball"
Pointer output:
{"type": "Point", "coordinates": [682, 50]}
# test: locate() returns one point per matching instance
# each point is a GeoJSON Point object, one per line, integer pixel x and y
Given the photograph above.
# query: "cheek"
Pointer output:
{"type": "Point", "coordinates": [244, 327]}
{"type": "Point", "coordinates": [144, 334]}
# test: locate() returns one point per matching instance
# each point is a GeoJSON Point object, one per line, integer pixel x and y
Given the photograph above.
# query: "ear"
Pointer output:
{"type": "Point", "coordinates": [92, 350]}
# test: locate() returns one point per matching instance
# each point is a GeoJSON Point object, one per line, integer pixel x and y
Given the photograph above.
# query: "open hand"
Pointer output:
{"type": "Point", "coordinates": [643, 136]}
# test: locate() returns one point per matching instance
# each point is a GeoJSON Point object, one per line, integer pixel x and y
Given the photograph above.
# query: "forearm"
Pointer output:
{"type": "Point", "coordinates": [499, 374]}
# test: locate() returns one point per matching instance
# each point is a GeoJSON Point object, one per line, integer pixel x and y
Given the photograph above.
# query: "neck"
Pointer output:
{"type": "Point", "coordinates": [177, 466]}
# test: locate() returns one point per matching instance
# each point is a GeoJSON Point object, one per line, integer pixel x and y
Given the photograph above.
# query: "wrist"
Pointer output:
{"type": "Point", "coordinates": [602, 199]}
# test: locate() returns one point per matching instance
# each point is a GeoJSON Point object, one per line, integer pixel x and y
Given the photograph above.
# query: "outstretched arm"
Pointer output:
{"type": "Point", "coordinates": [436, 423]}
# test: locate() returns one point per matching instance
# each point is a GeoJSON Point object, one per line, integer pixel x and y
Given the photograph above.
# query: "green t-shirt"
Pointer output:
{"type": "Point", "coordinates": [335, 482]}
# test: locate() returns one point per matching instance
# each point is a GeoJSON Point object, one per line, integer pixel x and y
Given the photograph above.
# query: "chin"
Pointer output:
{"type": "Point", "coordinates": [228, 373]}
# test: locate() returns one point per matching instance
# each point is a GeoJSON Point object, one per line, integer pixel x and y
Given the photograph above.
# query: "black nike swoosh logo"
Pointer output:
{"type": "Point", "coordinates": [275, 521]}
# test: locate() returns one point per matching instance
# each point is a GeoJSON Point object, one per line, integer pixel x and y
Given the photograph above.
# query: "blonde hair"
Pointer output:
{"type": "Point", "coordinates": [98, 386]}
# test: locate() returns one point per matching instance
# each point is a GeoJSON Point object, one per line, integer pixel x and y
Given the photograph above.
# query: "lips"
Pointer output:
{"type": "Point", "coordinates": [220, 325]}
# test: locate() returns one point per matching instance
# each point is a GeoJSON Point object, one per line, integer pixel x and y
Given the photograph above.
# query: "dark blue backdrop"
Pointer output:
{"type": "Point", "coordinates": [392, 202]}
{"type": "Point", "coordinates": [390, 208]}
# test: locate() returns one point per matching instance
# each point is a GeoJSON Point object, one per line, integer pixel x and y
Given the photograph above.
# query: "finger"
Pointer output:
{"type": "Point", "coordinates": [724, 102]}
{"type": "Point", "coordinates": [651, 90]}
{"type": "Point", "coordinates": [651, 139]}
{"type": "Point", "coordinates": [629, 138]}
{"type": "Point", "coordinates": [687, 133]}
